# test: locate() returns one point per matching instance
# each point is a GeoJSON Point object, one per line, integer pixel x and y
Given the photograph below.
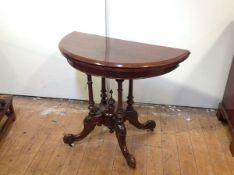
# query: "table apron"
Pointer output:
{"type": "Point", "coordinates": [121, 73]}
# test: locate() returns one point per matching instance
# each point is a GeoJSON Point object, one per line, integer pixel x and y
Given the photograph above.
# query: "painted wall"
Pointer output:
{"type": "Point", "coordinates": [206, 28]}
{"type": "Point", "coordinates": [30, 62]}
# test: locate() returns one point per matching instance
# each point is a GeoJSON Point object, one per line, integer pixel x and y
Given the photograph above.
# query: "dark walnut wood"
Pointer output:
{"type": "Point", "coordinates": [114, 58]}
{"type": "Point", "coordinates": [226, 107]}
{"type": "Point", "coordinates": [120, 60]}
{"type": "Point", "coordinates": [6, 109]}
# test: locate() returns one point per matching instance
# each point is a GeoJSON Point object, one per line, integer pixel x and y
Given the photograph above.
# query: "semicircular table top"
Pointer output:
{"type": "Point", "coordinates": [119, 59]}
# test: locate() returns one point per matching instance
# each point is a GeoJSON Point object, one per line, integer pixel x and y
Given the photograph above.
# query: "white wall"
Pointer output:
{"type": "Point", "coordinates": [206, 28]}
{"type": "Point", "coordinates": [30, 62]}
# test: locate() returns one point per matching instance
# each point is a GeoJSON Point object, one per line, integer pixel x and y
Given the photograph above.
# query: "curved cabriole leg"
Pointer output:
{"type": "Point", "coordinates": [89, 122]}
{"type": "Point", "coordinates": [120, 129]}
{"type": "Point", "coordinates": [120, 132]}
{"type": "Point", "coordinates": [132, 116]}
{"type": "Point", "coordinates": [89, 125]}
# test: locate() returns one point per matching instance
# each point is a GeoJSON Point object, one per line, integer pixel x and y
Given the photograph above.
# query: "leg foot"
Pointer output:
{"type": "Point", "coordinates": [69, 139]}
{"type": "Point", "coordinates": [132, 117]}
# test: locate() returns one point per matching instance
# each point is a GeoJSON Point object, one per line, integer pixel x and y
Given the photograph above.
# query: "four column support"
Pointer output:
{"type": "Point", "coordinates": [111, 116]}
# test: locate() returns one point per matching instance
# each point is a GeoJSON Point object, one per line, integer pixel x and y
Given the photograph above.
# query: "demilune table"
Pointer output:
{"type": "Point", "coordinates": [120, 60]}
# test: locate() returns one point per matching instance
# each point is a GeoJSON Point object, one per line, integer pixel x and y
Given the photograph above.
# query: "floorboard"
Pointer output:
{"type": "Point", "coordinates": [186, 141]}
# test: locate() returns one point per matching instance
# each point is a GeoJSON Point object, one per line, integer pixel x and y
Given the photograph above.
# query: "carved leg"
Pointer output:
{"type": "Point", "coordinates": [89, 122]}
{"type": "Point", "coordinates": [132, 116]}
{"type": "Point", "coordinates": [120, 132]}
{"type": "Point", "coordinates": [120, 129]}
{"type": "Point", "coordinates": [89, 125]}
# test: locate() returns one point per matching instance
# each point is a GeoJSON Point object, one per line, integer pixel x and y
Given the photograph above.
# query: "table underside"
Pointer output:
{"type": "Point", "coordinates": [112, 116]}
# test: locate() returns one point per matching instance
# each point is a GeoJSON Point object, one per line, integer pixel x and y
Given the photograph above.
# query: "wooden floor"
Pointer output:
{"type": "Point", "coordinates": [187, 141]}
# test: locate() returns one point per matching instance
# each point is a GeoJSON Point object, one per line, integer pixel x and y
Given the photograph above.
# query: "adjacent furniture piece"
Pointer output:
{"type": "Point", "coordinates": [226, 107]}
{"type": "Point", "coordinates": [120, 60]}
{"type": "Point", "coordinates": [6, 109]}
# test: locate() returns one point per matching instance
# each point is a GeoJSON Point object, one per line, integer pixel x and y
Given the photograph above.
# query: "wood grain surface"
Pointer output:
{"type": "Point", "coordinates": [187, 141]}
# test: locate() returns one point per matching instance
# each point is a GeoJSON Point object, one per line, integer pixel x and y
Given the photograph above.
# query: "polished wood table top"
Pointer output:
{"type": "Point", "coordinates": [115, 58]}
{"type": "Point", "coordinates": [118, 59]}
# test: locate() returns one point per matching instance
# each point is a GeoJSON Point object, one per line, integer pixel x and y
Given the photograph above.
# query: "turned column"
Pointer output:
{"type": "Point", "coordinates": [89, 121]}
{"type": "Point", "coordinates": [120, 99]}
{"type": "Point", "coordinates": [132, 116]}
{"type": "Point", "coordinates": [103, 92]}
{"type": "Point", "coordinates": [130, 96]}
{"type": "Point", "coordinates": [91, 106]}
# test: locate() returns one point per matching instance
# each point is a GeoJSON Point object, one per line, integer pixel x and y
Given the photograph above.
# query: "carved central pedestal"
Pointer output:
{"type": "Point", "coordinates": [112, 116]}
